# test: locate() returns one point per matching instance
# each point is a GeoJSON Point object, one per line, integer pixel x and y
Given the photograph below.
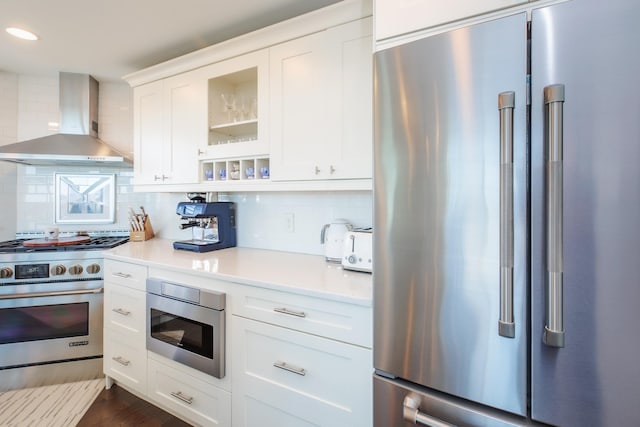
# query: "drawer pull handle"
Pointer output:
{"type": "Point", "coordinates": [285, 310]}
{"type": "Point", "coordinates": [123, 275]}
{"type": "Point", "coordinates": [186, 399]}
{"type": "Point", "coordinates": [411, 412]}
{"type": "Point", "coordinates": [121, 360]}
{"type": "Point", "coordinates": [290, 368]}
{"type": "Point", "coordinates": [121, 311]}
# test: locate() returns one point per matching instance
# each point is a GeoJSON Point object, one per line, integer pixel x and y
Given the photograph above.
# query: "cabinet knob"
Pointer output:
{"type": "Point", "coordinates": [317, 170]}
{"type": "Point", "coordinates": [332, 169]}
{"type": "Point", "coordinates": [157, 178]}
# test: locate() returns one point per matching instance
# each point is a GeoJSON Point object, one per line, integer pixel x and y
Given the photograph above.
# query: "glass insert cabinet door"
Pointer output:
{"type": "Point", "coordinates": [85, 198]}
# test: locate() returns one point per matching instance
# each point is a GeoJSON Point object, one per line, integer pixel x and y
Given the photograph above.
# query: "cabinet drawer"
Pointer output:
{"type": "Point", "coordinates": [124, 311]}
{"type": "Point", "coordinates": [287, 374]}
{"type": "Point", "coordinates": [126, 274]}
{"type": "Point", "coordinates": [125, 361]}
{"type": "Point", "coordinates": [341, 321]}
{"type": "Point", "coordinates": [188, 396]}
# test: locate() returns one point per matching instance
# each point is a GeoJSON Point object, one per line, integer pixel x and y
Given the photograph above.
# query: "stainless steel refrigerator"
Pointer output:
{"type": "Point", "coordinates": [507, 218]}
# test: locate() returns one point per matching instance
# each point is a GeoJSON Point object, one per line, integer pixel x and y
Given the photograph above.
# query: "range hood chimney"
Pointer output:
{"type": "Point", "coordinates": [77, 144]}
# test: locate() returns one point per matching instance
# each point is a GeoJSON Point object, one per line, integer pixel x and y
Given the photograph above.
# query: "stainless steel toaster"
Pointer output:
{"type": "Point", "coordinates": [357, 251]}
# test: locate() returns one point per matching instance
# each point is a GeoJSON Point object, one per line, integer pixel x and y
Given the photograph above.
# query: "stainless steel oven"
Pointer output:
{"type": "Point", "coordinates": [51, 313]}
{"type": "Point", "coordinates": [187, 325]}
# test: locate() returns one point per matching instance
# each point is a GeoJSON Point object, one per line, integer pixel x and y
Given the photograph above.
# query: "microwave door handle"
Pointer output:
{"type": "Point", "coordinates": [506, 324]}
{"type": "Point", "coordinates": [554, 323]}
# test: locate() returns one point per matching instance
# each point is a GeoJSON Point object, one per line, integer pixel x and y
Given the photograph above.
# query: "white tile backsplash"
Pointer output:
{"type": "Point", "coordinates": [264, 218]}
{"type": "Point", "coordinates": [116, 116]}
{"type": "Point", "coordinates": [35, 194]}
{"type": "Point", "coordinates": [8, 213]}
{"type": "Point", "coordinates": [37, 106]}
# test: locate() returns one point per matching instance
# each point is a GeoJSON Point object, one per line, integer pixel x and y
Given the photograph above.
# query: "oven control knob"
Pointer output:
{"type": "Point", "coordinates": [58, 270]}
{"type": "Point", "coordinates": [93, 268]}
{"type": "Point", "coordinates": [6, 272]}
{"type": "Point", "coordinates": [75, 270]}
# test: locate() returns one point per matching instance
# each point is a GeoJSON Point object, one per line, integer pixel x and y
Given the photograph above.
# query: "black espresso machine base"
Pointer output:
{"type": "Point", "coordinates": [200, 245]}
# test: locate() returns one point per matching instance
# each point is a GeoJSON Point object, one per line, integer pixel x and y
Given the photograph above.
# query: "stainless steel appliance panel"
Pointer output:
{"type": "Point", "coordinates": [400, 403]}
{"type": "Point", "coordinates": [437, 197]}
{"type": "Point", "coordinates": [190, 333]}
{"type": "Point", "coordinates": [589, 47]}
{"type": "Point", "coordinates": [47, 327]}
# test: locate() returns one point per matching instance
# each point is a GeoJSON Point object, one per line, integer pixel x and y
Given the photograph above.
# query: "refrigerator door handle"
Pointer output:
{"type": "Point", "coordinates": [506, 324]}
{"type": "Point", "coordinates": [553, 335]}
{"type": "Point", "coordinates": [411, 413]}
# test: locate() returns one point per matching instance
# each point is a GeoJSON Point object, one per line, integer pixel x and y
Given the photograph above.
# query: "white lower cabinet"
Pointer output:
{"type": "Point", "coordinates": [287, 378]}
{"type": "Point", "coordinates": [124, 311]}
{"type": "Point", "coordinates": [125, 361]}
{"type": "Point", "coordinates": [125, 355]}
{"type": "Point", "coordinates": [187, 396]}
{"type": "Point", "coordinates": [292, 359]}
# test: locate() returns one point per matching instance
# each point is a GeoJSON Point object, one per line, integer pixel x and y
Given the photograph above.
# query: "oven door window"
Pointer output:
{"type": "Point", "coordinates": [43, 322]}
{"type": "Point", "coordinates": [181, 332]}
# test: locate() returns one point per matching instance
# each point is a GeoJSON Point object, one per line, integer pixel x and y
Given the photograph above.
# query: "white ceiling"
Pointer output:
{"type": "Point", "coordinates": [111, 38]}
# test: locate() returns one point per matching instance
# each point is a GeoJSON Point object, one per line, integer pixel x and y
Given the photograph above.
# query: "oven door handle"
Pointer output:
{"type": "Point", "coordinates": [53, 294]}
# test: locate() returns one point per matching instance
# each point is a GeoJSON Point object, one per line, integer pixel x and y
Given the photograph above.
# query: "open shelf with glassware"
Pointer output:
{"type": "Point", "coordinates": [236, 114]}
{"type": "Point", "coordinates": [236, 170]}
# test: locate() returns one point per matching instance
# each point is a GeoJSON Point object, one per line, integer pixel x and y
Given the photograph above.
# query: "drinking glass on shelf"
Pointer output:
{"type": "Point", "coordinates": [254, 109]}
{"type": "Point", "coordinates": [229, 106]}
{"type": "Point", "coordinates": [244, 111]}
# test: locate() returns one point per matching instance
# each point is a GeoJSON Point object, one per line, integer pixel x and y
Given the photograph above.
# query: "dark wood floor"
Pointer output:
{"type": "Point", "coordinates": [117, 407]}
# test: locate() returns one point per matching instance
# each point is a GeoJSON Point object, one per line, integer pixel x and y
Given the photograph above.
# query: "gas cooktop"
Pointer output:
{"type": "Point", "coordinates": [95, 243]}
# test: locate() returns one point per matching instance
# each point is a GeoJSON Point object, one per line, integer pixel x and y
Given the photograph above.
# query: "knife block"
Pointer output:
{"type": "Point", "coordinates": [141, 236]}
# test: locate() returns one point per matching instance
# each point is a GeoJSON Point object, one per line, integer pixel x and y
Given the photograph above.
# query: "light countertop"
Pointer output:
{"type": "Point", "coordinates": [291, 272]}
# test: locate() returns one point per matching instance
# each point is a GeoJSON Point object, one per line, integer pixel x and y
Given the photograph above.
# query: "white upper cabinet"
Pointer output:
{"type": "Point", "coordinates": [238, 106]}
{"type": "Point", "coordinates": [286, 107]}
{"type": "Point", "coordinates": [170, 126]}
{"type": "Point", "coordinates": [320, 105]}
{"type": "Point", "coordinates": [396, 17]}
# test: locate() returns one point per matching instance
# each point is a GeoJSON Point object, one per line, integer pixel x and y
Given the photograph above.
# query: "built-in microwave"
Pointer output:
{"type": "Point", "coordinates": [187, 325]}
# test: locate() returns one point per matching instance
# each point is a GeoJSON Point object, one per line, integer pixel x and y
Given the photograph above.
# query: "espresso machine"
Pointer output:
{"type": "Point", "coordinates": [213, 225]}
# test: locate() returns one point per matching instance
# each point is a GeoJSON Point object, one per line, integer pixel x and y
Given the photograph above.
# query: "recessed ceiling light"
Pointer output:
{"type": "Point", "coordinates": [21, 34]}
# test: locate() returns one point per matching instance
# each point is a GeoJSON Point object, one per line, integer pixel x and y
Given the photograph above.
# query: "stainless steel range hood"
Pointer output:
{"type": "Point", "coordinates": [77, 144]}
